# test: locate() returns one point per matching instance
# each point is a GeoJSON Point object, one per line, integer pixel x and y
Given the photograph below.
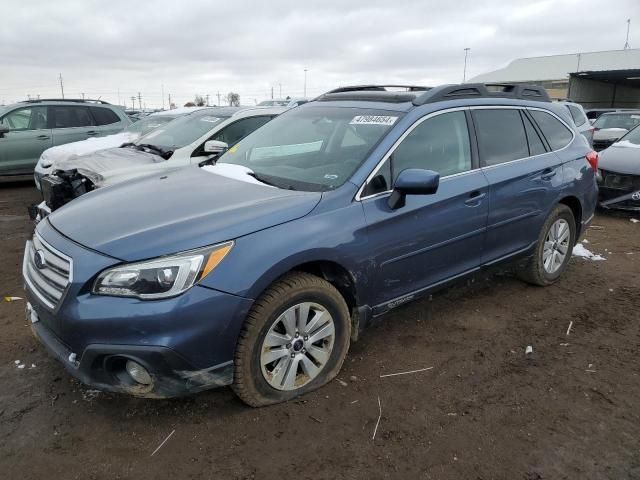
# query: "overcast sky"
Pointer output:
{"type": "Point", "coordinates": [115, 49]}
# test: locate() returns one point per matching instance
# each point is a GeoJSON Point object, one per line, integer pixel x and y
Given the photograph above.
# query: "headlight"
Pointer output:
{"type": "Point", "coordinates": [163, 277]}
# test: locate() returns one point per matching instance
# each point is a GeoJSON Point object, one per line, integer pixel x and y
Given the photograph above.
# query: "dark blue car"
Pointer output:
{"type": "Point", "coordinates": [259, 270]}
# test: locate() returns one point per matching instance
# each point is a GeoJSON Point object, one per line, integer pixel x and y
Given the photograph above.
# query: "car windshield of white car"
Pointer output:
{"type": "Point", "coordinates": [182, 131]}
{"type": "Point", "coordinates": [618, 120]}
{"type": "Point", "coordinates": [316, 148]}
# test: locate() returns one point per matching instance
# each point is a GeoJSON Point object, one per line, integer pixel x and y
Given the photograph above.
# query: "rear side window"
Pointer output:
{"type": "Point", "coordinates": [558, 136]}
{"type": "Point", "coordinates": [501, 136]}
{"type": "Point", "coordinates": [536, 147]}
{"type": "Point", "coordinates": [577, 115]}
{"type": "Point", "coordinates": [66, 117]}
{"type": "Point", "coordinates": [104, 116]}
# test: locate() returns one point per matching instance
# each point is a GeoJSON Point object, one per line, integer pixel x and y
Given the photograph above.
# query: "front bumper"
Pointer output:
{"type": "Point", "coordinates": [186, 343]}
{"type": "Point", "coordinates": [619, 191]}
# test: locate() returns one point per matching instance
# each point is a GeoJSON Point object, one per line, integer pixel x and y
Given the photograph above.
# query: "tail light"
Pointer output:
{"type": "Point", "coordinates": [592, 158]}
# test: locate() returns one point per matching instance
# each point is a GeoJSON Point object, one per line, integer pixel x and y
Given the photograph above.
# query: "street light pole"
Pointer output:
{"type": "Point", "coordinates": [464, 73]}
{"type": "Point", "coordinates": [626, 44]}
{"type": "Point", "coordinates": [305, 83]}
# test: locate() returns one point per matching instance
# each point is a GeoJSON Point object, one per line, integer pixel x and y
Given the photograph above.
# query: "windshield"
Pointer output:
{"type": "Point", "coordinates": [313, 149]}
{"type": "Point", "coordinates": [632, 137]}
{"type": "Point", "coordinates": [144, 126]}
{"type": "Point", "coordinates": [618, 120]}
{"type": "Point", "coordinates": [182, 131]}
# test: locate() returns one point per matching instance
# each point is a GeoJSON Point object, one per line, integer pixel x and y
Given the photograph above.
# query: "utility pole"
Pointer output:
{"type": "Point", "coordinates": [305, 83]}
{"type": "Point", "coordinates": [169, 101]}
{"type": "Point", "coordinates": [464, 72]}
{"type": "Point", "coordinates": [61, 85]}
{"type": "Point", "coordinates": [133, 102]}
{"type": "Point", "coordinates": [140, 100]}
{"type": "Point", "coordinates": [162, 86]}
{"type": "Point", "coordinates": [280, 85]}
{"type": "Point", "coordinates": [271, 92]}
{"type": "Point", "coordinates": [207, 99]}
{"type": "Point", "coordinates": [626, 44]}
{"type": "Point", "coordinates": [218, 97]}
{"type": "Point", "coordinates": [82, 96]}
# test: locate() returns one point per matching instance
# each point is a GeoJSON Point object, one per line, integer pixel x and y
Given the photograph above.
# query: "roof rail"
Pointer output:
{"type": "Point", "coordinates": [72, 100]}
{"type": "Point", "coordinates": [376, 88]}
{"type": "Point", "coordinates": [483, 90]}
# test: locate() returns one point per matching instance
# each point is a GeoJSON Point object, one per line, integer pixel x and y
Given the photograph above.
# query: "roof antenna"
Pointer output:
{"type": "Point", "coordinates": [626, 44]}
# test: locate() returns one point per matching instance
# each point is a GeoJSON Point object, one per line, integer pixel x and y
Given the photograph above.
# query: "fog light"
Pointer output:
{"type": "Point", "coordinates": [138, 372]}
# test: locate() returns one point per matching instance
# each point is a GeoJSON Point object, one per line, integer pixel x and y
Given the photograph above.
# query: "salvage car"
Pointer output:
{"type": "Point", "coordinates": [190, 139]}
{"type": "Point", "coordinates": [28, 128]}
{"type": "Point", "coordinates": [69, 151]}
{"type": "Point", "coordinates": [609, 127]}
{"type": "Point", "coordinates": [259, 270]}
{"type": "Point", "coordinates": [619, 174]}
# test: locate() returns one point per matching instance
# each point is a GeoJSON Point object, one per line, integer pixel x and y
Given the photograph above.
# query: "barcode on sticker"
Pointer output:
{"type": "Point", "coordinates": [373, 120]}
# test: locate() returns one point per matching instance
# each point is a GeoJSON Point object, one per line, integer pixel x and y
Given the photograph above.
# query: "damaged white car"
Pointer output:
{"type": "Point", "coordinates": [69, 151]}
{"type": "Point", "coordinates": [187, 140]}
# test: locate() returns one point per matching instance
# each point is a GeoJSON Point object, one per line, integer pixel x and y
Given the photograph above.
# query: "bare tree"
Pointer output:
{"type": "Point", "coordinates": [200, 101]}
{"type": "Point", "coordinates": [189, 104]}
{"type": "Point", "coordinates": [233, 99]}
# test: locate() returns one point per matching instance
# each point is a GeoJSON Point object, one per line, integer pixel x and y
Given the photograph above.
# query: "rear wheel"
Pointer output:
{"type": "Point", "coordinates": [553, 249]}
{"type": "Point", "coordinates": [294, 340]}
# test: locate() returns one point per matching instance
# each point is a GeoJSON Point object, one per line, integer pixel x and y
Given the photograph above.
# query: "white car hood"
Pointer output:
{"type": "Point", "coordinates": [609, 133]}
{"type": "Point", "coordinates": [72, 150]}
{"type": "Point", "coordinates": [113, 165]}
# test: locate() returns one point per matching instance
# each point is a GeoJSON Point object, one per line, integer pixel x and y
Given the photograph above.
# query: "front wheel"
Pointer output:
{"type": "Point", "coordinates": [294, 340]}
{"type": "Point", "coordinates": [553, 249]}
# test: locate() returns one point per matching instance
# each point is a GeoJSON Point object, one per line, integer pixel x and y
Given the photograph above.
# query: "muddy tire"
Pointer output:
{"type": "Point", "coordinates": [294, 340]}
{"type": "Point", "coordinates": [553, 249]}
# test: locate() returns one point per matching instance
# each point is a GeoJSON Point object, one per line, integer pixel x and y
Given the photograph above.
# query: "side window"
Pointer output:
{"type": "Point", "coordinates": [553, 129]}
{"type": "Point", "coordinates": [235, 132]}
{"type": "Point", "coordinates": [536, 147]}
{"type": "Point", "coordinates": [82, 117]}
{"type": "Point", "coordinates": [104, 116]}
{"type": "Point", "coordinates": [30, 118]}
{"type": "Point", "coordinates": [72, 116]}
{"type": "Point", "coordinates": [577, 115]}
{"type": "Point", "coordinates": [440, 144]}
{"type": "Point", "coordinates": [501, 136]}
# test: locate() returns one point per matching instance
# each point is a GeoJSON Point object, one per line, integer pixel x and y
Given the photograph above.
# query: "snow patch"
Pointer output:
{"type": "Point", "coordinates": [626, 143]}
{"type": "Point", "coordinates": [580, 251]}
{"type": "Point", "coordinates": [237, 172]}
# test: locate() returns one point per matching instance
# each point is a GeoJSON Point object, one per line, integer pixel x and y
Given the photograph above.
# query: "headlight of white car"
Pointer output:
{"type": "Point", "coordinates": [162, 277]}
{"type": "Point", "coordinates": [44, 161]}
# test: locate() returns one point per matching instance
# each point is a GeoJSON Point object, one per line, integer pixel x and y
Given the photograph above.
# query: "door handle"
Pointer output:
{"type": "Point", "coordinates": [548, 174]}
{"type": "Point", "coordinates": [92, 132]}
{"type": "Point", "coordinates": [475, 198]}
{"type": "Point", "coordinates": [43, 137]}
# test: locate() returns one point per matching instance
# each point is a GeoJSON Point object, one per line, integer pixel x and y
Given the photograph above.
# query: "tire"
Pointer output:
{"type": "Point", "coordinates": [535, 271]}
{"type": "Point", "coordinates": [309, 297]}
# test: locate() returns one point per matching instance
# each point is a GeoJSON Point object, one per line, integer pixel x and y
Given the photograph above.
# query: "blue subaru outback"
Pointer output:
{"type": "Point", "coordinates": [258, 270]}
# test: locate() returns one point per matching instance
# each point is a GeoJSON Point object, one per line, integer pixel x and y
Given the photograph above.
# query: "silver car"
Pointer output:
{"type": "Point", "coordinates": [580, 119]}
{"type": "Point", "coordinates": [29, 128]}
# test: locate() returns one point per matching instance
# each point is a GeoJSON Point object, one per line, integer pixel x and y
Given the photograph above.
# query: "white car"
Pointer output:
{"type": "Point", "coordinates": [68, 151]}
{"type": "Point", "coordinates": [188, 140]}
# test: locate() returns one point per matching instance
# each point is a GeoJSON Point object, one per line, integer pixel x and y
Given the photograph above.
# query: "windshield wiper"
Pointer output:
{"type": "Point", "coordinates": [263, 179]}
{"type": "Point", "coordinates": [150, 147]}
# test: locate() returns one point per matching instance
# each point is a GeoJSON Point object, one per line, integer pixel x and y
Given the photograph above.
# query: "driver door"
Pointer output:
{"type": "Point", "coordinates": [435, 237]}
{"type": "Point", "coordinates": [28, 137]}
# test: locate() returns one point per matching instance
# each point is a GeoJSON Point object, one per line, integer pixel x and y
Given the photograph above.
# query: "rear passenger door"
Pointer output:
{"type": "Point", "coordinates": [432, 237]}
{"type": "Point", "coordinates": [524, 176]}
{"type": "Point", "coordinates": [71, 123]}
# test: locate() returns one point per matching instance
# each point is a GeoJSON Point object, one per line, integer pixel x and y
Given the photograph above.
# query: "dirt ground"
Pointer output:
{"type": "Point", "coordinates": [569, 410]}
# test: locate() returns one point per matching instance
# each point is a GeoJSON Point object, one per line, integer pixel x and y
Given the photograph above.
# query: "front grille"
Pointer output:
{"type": "Point", "coordinates": [626, 183]}
{"type": "Point", "coordinates": [48, 276]}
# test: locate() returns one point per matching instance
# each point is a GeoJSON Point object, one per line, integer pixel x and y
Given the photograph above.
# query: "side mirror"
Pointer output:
{"type": "Point", "coordinates": [4, 129]}
{"type": "Point", "coordinates": [215, 147]}
{"type": "Point", "coordinates": [413, 181]}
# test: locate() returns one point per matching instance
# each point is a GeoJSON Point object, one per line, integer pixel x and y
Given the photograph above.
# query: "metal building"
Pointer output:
{"type": "Point", "coordinates": [594, 79]}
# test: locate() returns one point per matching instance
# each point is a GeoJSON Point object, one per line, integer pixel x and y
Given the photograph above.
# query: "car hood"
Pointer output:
{"type": "Point", "coordinates": [177, 211]}
{"type": "Point", "coordinates": [608, 133]}
{"type": "Point", "coordinates": [621, 157]}
{"type": "Point", "coordinates": [70, 151]}
{"type": "Point", "coordinates": [106, 167]}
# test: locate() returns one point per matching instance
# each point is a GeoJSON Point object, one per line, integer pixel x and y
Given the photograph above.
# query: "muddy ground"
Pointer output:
{"type": "Point", "coordinates": [570, 410]}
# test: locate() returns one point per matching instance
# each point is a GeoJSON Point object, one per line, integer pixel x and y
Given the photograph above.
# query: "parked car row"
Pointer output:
{"type": "Point", "coordinates": [260, 261]}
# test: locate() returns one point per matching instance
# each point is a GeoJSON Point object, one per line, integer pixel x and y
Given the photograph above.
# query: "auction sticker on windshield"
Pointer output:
{"type": "Point", "coordinates": [373, 120]}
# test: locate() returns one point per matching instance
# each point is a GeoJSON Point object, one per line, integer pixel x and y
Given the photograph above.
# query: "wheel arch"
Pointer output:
{"type": "Point", "coordinates": [575, 205]}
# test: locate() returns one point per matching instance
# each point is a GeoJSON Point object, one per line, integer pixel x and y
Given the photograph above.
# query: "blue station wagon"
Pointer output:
{"type": "Point", "coordinates": [258, 270]}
